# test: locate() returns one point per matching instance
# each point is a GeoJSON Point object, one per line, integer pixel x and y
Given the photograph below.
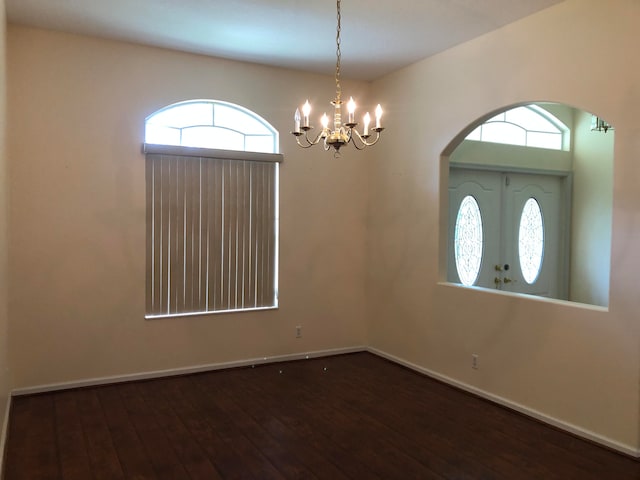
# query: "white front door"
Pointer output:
{"type": "Point", "coordinates": [524, 254]}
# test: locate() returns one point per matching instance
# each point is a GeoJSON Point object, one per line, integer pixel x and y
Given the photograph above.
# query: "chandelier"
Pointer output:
{"type": "Point", "coordinates": [342, 133]}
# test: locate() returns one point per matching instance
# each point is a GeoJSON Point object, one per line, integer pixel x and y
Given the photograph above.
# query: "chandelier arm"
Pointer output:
{"type": "Point", "coordinates": [355, 144]}
{"type": "Point", "coordinates": [309, 143]}
{"type": "Point", "coordinates": [364, 138]}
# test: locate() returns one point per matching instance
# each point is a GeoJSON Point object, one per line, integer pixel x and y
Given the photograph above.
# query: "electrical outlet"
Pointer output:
{"type": "Point", "coordinates": [474, 361]}
{"type": "Point", "coordinates": [299, 331]}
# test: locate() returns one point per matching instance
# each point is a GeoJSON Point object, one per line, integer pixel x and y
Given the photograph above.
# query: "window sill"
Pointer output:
{"type": "Point", "coordinates": [213, 312]}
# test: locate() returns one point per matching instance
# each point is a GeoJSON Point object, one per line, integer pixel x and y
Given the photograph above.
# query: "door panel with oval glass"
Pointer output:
{"type": "Point", "coordinates": [522, 243]}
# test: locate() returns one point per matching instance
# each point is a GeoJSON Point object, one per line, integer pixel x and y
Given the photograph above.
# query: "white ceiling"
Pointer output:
{"type": "Point", "coordinates": [377, 36]}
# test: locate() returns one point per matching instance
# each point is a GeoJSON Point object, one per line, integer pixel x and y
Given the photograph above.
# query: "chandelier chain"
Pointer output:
{"type": "Point", "coordinates": [338, 57]}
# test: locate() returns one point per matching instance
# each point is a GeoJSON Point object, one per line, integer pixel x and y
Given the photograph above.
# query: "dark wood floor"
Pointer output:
{"type": "Point", "coordinates": [351, 416]}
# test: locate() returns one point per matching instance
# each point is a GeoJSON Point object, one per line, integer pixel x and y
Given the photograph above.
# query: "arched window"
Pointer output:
{"type": "Point", "coordinates": [211, 124]}
{"type": "Point", "coordinates": [527, 126]}
{"type": "Point", "coordinates": [212, 210]}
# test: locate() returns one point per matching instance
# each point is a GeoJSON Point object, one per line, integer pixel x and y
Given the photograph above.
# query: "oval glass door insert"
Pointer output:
{"type": "Point", "coordinates": [468, 241]}
{"type": "Point", "coordinates": [531, 240]}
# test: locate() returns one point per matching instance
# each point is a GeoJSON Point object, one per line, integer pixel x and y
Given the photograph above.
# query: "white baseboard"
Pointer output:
{"type": "Point", "coordinates": [182, 371]}
{"type": "Point", "coordinates": [568, 427]}
{"type": "Point", "coordinates": [3, 436]}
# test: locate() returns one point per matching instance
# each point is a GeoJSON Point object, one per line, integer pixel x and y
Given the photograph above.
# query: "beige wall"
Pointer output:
{"type": "Point", "coordinates": [4, 225]}
{"type": "Point", "coordinates": [77, 296]}
{"type": "Point", "coordinates": [575, 365]}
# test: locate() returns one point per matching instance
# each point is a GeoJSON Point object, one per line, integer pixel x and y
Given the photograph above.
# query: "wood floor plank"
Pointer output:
{"type": "Point", "coordinates": [75, 463]}
{"type": "Point", "coordinates": [298, 410]}
{"type": "Point", "coordinates": [162, 398]}
{"type": "Point", "coordinates": [431, 415]}
{"type": "Point", "coordinates": [105, 464]}
{"type": "Point", "coordinates": [345, 417]}
{"type": "Point", "coordinates": [35, 451]}
{"type": "Point", "coordinates": [346, 428]}
{"type": "Point", "coordinates": [130, 450]}
{"type": "Point", "coordinates": [158, 447]}
{"type": "Point", "coordinates": [273, 415]}
{"type": "Point", "coordinates": [213, 431]}
{"type": "Point", "coordinates": [276, 452]}
{"type": "Point", "coordinates": [400, 427]}
{"type": "Point", "coordinates": [518, 461]}
{"type": "Point", "coordinates": [227, 427]}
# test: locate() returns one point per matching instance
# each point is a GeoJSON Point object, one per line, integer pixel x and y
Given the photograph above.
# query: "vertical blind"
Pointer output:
{"type": "Point", "coordinates": [211, 234]}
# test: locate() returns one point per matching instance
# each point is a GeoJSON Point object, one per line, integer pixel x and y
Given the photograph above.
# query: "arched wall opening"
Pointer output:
{"type": "Point", "coordinates": [504, 176]}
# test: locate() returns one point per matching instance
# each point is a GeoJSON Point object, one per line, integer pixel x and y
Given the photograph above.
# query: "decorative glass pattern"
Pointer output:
{"type": "Point", "coordinates": [468, 241]}
{"type": "Point", "coordinates": [531, 240]}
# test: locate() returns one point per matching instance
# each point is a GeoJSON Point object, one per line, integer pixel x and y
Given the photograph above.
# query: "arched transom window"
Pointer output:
{"type": "Point", "coordinates": [527, 126]}
{"type": "Point", "coordinates": [211, 124]}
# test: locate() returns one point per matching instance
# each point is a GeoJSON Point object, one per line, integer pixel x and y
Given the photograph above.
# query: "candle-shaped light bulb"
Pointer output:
{"type": "Point", "coordinates": [324, 120]}
{"type": "Point", "coordinates": [296, 121]}
{"type": "Point", "coordinates": [378, 115]}
{"type": "Point", "coordinates": [351, 108]}
{"type": "Point", "coordinates": [306, 110]}
{"type": "Point", "coordinates": [367, 121]}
